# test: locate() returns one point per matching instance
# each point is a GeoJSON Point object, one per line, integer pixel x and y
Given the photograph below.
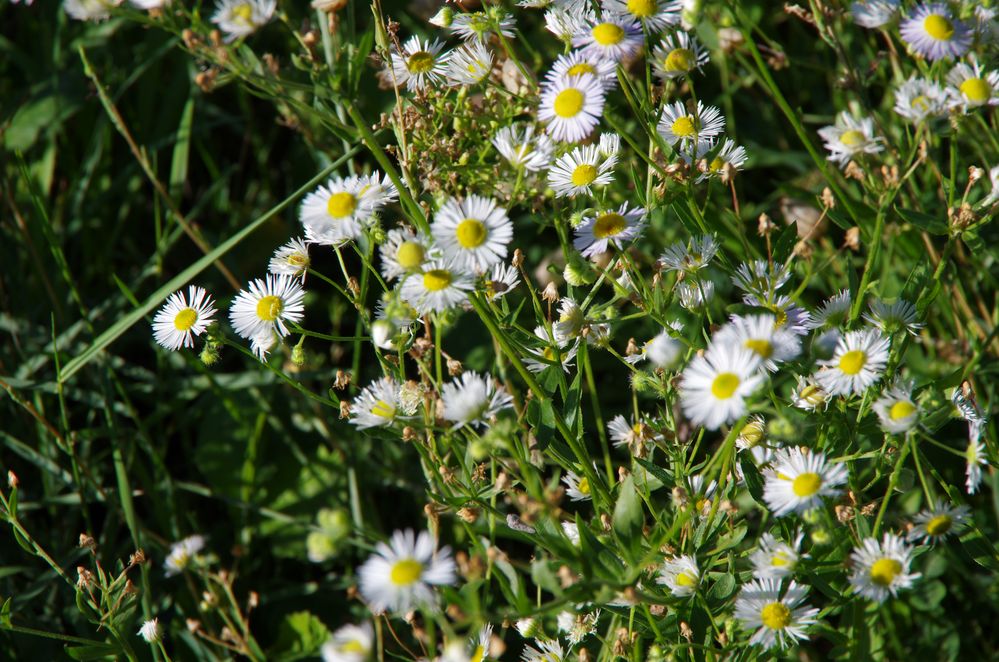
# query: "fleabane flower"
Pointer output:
{"type": "Point", "coordinates": [653, 14]}
{"type": "Point", "coordinates": [809, 395]}
{"type": "Point", "coordinates": [873, 14]}
{"type": "Point", "coordinates": [480, 25]}
{"type": "Point", "coordinates": [612, 38]}
{"type": "Point", "coordinates": [150, 631]}
{"type": "Point", "coordinates": [801, 480]}
{"type": "Point", "coordinates": [681, 575]}
{"type": "Point", "coordinates": [182, 553]}
{"type": "Point", "coordinates": [403, 252]}
{"type": "Point", "coordinates": [729, 159]}
{"type": "Point", "coordinates": [932, 30]}
{"type": "Point", "coordinates": [662, 351]}
{"type": "Point", "coordinates": [500, 281]}
{"type": "Point", "coordinates": [678, 56]}
{"type": "Point", "coordinates": [577, 487]}
{"type": "Point", "coordinates": [833, 312]}
{"type": "Point", "coordinates": [473, 232]}
{"type": "Point", "coordinates": [773, 558]}
{"type": "Point", "coordinates": [599, 231]}
{"type": "Point", "coordinates": [439, 286]}
{"type": "Point", "coordinates": [566, 21]}
{"type": "Point", "coordinates": [523, 148]}
{"type": "Point", "coordinates": [292, 259]}
{"type": "Point", "coordinates": [418, 63]}
{"type": "Point", "coordinates": [576, 63]}
{"type": "Point", "coordinates": [935, 524]}
{"type": "Point", "coordinates": [473, 399]}
{"type": "Point", "coordinates": [89, 10]}
{"type": "Point", "coordinates": [401, 575]}
{"type": "Point", "coordinates": [335, 212]}
{"type": "Point", "coordinates": [690, 257]}
{"type": "Point", "coordinates": [469, 65]}
{"type": "Point", "coordinates": [183, 317]}
{"type": "Point", "coordinates": [241, 18]}
{"type": "Point", "coordinates": [263, 308]}
{"type": "Point", "coordinates": [972, 87]}
{"type": "Point", "coordinates": [571, 108]}
{"type": "Point", "coordinates": [635, 436]}
{"type": "Point", "coordinates": [919, 100]}
{"type": "Point", "coordinates": [580, 169]}
{"type": "Point", "coordinates": [349, 643]}
{"type": "Point", "coordinates": [553, 352]}
{"type": "Point", "coordinates": [547, 651]}
{"type": "Point", "coordinates": [376, 405]}
{"type": "Point", "coordinates": [857, 364]}
{"type": "Point", "coordinates": [684, 130]}
{"type": "Point", "coordinates": [975, 459]}
{"type": "Point", "coordinates": [896, 409]}
{"type": "Point", "coordinates": [881, 569]}
{"type": "Point", "coordinates": [849, 137]}
{"type": "Point", "coordinates": [761, 278]}
{"type": "Point", "coordinates": [714, 386]}
{"type": "Point", "coordinates": [779, 620]}
{"type": "Point", "coordinates": [760, 334]}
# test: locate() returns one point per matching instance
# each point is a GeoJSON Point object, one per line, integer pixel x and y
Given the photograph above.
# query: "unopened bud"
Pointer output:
{"type": "Point", "coordinates": [550, 293]}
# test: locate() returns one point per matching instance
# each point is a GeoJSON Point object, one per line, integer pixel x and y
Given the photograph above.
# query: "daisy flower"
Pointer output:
{"type": "Point", "coordinates": [292, 259]}
{"type": "Point", "coordinates": [729, 158]}
{"type": "Point", "coordinates": [418, 64]}
{"type": "Point", "coordinates": [578, 488]}
{"type": "Point", "coordinates": [522, 148]}
{"type": "Point", "coordinates": [349, 643]}
{"type": "Point", "coordinates": [635, 436]}
{"type": "Point", "coordinates": [441, 285]}
{"type": "Point", "coordinates": [858, 362]}
{"type": "Point", "coordinates": [773, 558]}
{"type": "Point", "coordinates": [681, 575]}
{"type": "Point", "coordinates": [873, 14]}
{"type": "Point", "coordinates": [800, 480]}
{"type": "Point", "coordinates": [833, 311]}
{"type": "Point", "coordinates": [919, 100]}
{"type": "Point", "coordinates": [181, 554]}
{"type": "Point", "coordinates": [469, 65]}
{"type": "Point", "coordinates": [789, 315]}
{"type": "Point", "coordinates": [473, 232]}
{"type": "Point", "coordinates": [400, 575]}
{"type": "Point", "coordinates": [480, 25]}
{"type": "Point", "coordinates": [577, 63]}
{"type": "Point", "coordinates": [932, 30]}
{"type": "Point", "coordinates": [181, 318]}
{"type": "Point", "coordinates": [691, 256]}
{"type": "Point", "coordinates": [241, 18]}
{"type": "Point", "coordinates": [481, 644]}
{"type": "Point", "coordinates": [574, 173]}
{"type": "Point", "coordinates": [552, 353]}
{"type": "Point", "coordinates": [614, 38]}
{"type": "Point", "coordinates": [848, 137]}
{"type": "Point", "coordinates": [547, 651]}
{"type": "Point", "coordinates": [937, 523]}
{"type": "Point", "coordinates": [896, 409]}
{"type": "Point", "coordinates": [715, 385]}
{"type": "Point", "coordinates": [893, 317]}
{"type": "Point", "coordinates": [599, 231]}
{"type": "Point", "coordinates": [577, 624]}
{"type": "Point", "coordinates": [376, 405]}
{"type": "Point", "coordinates": [975, 458]}
{"type": "Point", "coordinates": [89, 10]}
{"type": "Point", "coordinates": [694, 293]}
{"type": "Point", "coordinates": [662, 351]}
{"type": "Point", "coordinates": [972, 87]}
{"type": "Point", "coordinates": [752, 434]}
{"type": "Point", "coordinates": [760, 278]}
{"type": "Point", "coordinates": [473, 399]}
{"type": "Point", "coordinates": [654, 14]}
{"type": "Point", "coordinates": [779, 621]}
{"type": "Point", "coordinates": [566, 22]}
{"type": "Point", "coordinates": [759, 334]}
{"type": "Point", "coordinates": [333, 214]}
{"type": "Point", "coordinates": [403, 252]}
{"type": "Point", "coordinates": [571, 108]}
{"type": "Point", "coordinates": [263, 308]}
{"type": "Point", "coordinates": [263, 343]}
{"type": "Point", "coordinates": [678, 125]}
{"type": "Point", "coordinates": [150, 631]}
{"type": "Point", "coordinates": [808, 395]}
{"type": "Point", "coordinates": [570, 320]}
{"type": "Point", "coordinates": [500, 281]}
{"type": "Point", "coordinates": [881, 569]}
{"type": "Point", "coordinates": [677, 56]}
{"type": "Point", "coordinates": [610, 145]}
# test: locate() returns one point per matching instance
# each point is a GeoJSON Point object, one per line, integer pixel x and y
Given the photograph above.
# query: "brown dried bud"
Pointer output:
{"type": "Point", "coordinates": [453, 367]}
{"type": "Point", "coordinates": [468, 514]}
{"type": "Point", "coordinates": [605, 521]}
{"type": "Point", "coordinates": [844, 514]}
{"type": "Point", "coordinates": [799, 12]}
{"type": "Point", "coordinates": [12, 481]}
{"type": "Point", "coordinates": [272, 64]}
{"type": "Point", "coordinates": [342, 380]}
{"type": "Point", "coordinates": [193, 625]}
{"type": "Point", "coordinates": [216, 38]}
{"type": "Point", "coordinates": [87, 542]}
{"type": "Point", "coordinates": [583, 655]}
{"type": "Point", "coordinates": [828, 199]}
{"type": "Point", "coordinates": [84, 578]}
{"type": "Point", "coordinates": [632, 348]}
{"type": "Point", "coordinates": [890, 175]}
{"type": "Point", "coordinates": [354, 286]}
{"type": "Point", "coordinates": [565, 576]}
{"type": "Point", "coordinates": [854, 171]}
{"type": "Point", "coordinates": [685, 631]}
{"type": "Point", "coordinates": [344, 410]}
{"type": "Point", "coordinates": [138, 558]}
{"type": "Point", "coordinates": [518, 259]}
{"type": "Point", "coordinates": [409, 433]}
{"type": "Point", "coordinates": [765, 226]}
{"type": "Point", "coordinates": [729, 39]}
{"type": "Point", "coordinates": [657, 610]}
{"type": "Point", "coordinates": [252, 600]}
{"type": "Point", "coordinates": [550, 293]}
{"type": "Point", "coordinates": [310, 39]}
{"type": "Point", "coordinates": [974, 174]}
{"type": "Point", "coordinates": [869, 509]}
{"type": "Point", "coordinates": [502, 481]}
{"type": "Point", "coordinates": [803, 249]}
{"type": "Point", "coordinates": [852, 239]}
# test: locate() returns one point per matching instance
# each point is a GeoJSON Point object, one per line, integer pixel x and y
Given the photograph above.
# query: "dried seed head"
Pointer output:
{"type": "Point", "coordinates": [828, 200]}
{"type": "Point", "coordinates": [342, 380]}
{"type": "Point", "coordinates": [344, 410]}
{"type": "Point", "coordinates": [453, 367]}
{"type": "Point", "coordinates": [765, 226]}
{"type": "Point", "coordinates": [87, 542]}
{"type": "Point", "coordinates": [852, 239]}
{"type": "Point", "coordinates": [550, 293]}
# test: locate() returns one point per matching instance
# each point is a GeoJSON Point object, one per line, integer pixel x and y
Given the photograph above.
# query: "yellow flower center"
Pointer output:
{"type": "Point", "coordinates": [806, 484]}
{"type": "Point", "coordinates": [680, 59]}
{"type": "Point", "coordinates": [341, 205]}
{"type": "Point", "coordinates": [762, 347]}
{"type": "Point", "coordinates": [609, 225]}
{"type": "Point", "coordinates": [724, 385]}
{"type": "Point", "coordinates": [185, 319]}
{"type": "Point", "coordinates": [852, 138]}
{"type": "Point", "coordinates": [243, 13]}
{"type": "Point", "coordinates": [716, 164]}
{"type": "Point", "coordinates": [471, 233]}
{"type": "Point", "coordinates": [298, 260]}
{"type": "Point", "coordinates": [353, 646]}
{"type": "Point", "coordinates": [813, 395]}
{"type": "Point", "coordinates": [976, 90]}
{"type": "Point", "coordinates": [478, 655]}
{"type": "Point", "coordinates": [409, 255]}
{"type": "Point", "coordinates": [584, 485]}
{"type": "Point", "coordinates": [852, 362]}
{"type": "Point", "coordinates": [607, 34]}
{"type": "Point", "coordinates": [921, 103]}
{"type": "Point", "coordinates": [884, 571]}
{"type": "Point", "coordinates": [752, 433]}
{"type": "Point", "coordinates": [420, 62]}
{"type": "Point", "coordinates": [436, 280]}
{"type": "Point", "coordinates": [569, 102]}
{"type": "Point", "coordinates": [686, 579]}
{"type": "Point", "coordinates": [779, 560]}
{"type": "Point", "coordinates": [642, 8]}
{"type": "Point", "coordinates": [269, 307]}
{"type": "Point", "coordinates": [584, 175]}
{"type": "Point", "coordinates": [901, 409]}
{"type": "Point", "coordinates": [581, 68]}
{"type": "Point", "coordinates": [939, 27]}
{"type": "Point", "coordinates": [383, 409]}
{"type": "Point", "coordinates": [684, 126]}
{"type": "Point", "coordinates": [406, 572]}
{"type": "Point", "coordinates": [775, 616]}
{"type": "Point", "coordinates": [939, 525]}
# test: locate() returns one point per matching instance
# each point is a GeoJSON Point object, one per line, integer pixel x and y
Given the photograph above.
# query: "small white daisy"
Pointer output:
{"type": "Point", "coordinates": [761, 278]}
{"type": "Point", "coordinates": [181, 555]}
{"type": "Point", "coordinates": [292, 259]}
{"type": "Point", "coordinates": [576, 63]}
{"type": "Point", "coordinates": [376, 405]}
{"type": "Point", "coordinates": [349, 643]}
{"type": "Point", "coordinates": [403, 252]}
{"type": "Point", "coordinates": [263, 308]}
{"type": "Point", "coordinates": [833, 312]}
{"type": "Point", "coordinates": [678, 56]}
{"type": "Point", "coordinates": [473, 232]}
{"type": "Point", "coordinates": [919, 100]}
{"type": "Point", "coordinates": [682, 129]}
{"type": "Point", "coordinates": [263, 343]}
{"type": "Point", "coordinates": [577, 624]}
{"type": "Point", "coordinates": [571, 320]}
{"type": "Point", "coordinates": [975, 459]}
{"type": "Point", "coordinates": [480, 25]}
{"type": "Point", "coordinates": [401, 575]}
{"type": "Point", "coordinates": [937, 523]}
{"type": "Point", "coordinates": [848, 137]}
{"type": "Point", "coordinates": [773, 558]}
{"type": "Point", "coordinates": [181, 318]}
{"type": "Point", "coordinates": [612, 38]}
{"type": "Point", "coordinates": [89, 10]}
{"type": "Point", "coordinates": [599, 231]}
{"type": "Point", "coordinates": [571, 108]}
{"type": "Point", "coordinates": [789, 315]}
{"type": "Point", "coordinates": [858, 362]}
{"type": "Point", "coordinates": [473, 399]}
{"type": "Point", "coordinates": [694, 294]}
{"type": "Point", "coordinates": [150, 631]}
{"type": "Point", "coordinates": [681, 575]}
{"type": "Point", "coordinates": [335, 212]}
{"type": "Point", "coordinates": [800, 480]}
{"type": "Point", "coordinates": [729, 158]}
{"type": "Point", "coordinates": [578, 488]}
{"type": "Point", "coordinates": [896, 409]}
{"type": "Point", "coordinates": [548, 651]}
{"type": "Point", "coordinates": [441, 285]}
{"type": "Point", "coordinates": [469, 65]}
{"type": "Point", "coordinates": [418, 64]}
{"type": "Point", "coordinates": [241, 18]}
{"type": "Point", "coordinates": [636, 436]}
{"type": "Point", "coordinates": [576, 172]}
{"type": "Point", "coordinates": [759, 334]}
{"type": "Point", "coordinates": [881, 569]}
{"type": "Point", "coordinates": [691, 256]}
{"type": "Point", "coordinates": [663, 351]}
{"type": "Point", "coordinates": [779, 621]}
{"type": "Point", "coordinates": [972, 87]}
{"type": "Point", "coordinates": [932, 30]}
{"type": "Point", "coordinates": [715, 385]}
{"type": "Point", "coordinates": [501, 281]}
{"type": "Point", "coordinates": [610, 145]}
{"type": "Point", "coordinates": [551, 353]}
{"type": "Point", "coordinates": [523, 148]}
{"type": "Point", "coordinates": [809, 395]}
{"type": "Point", "coordinates": [873, 14]}
{"type": "Point", "coordinates": [566, 21]}
{"type": "Point", "coordinates": [656, 15]}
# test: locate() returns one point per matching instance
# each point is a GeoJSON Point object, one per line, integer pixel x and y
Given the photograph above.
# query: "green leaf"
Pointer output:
{"type": "Point", "coordinates": [541, 416]}
{"type": "Point", "coordinates": [628, 515]}
{"type": "Point", "coordinates": [300, 635]}
{"type": "Point", "coordinates": [785, 243]}
{"type": "Point", "coordinates": [96, 652]}
{"type": "Point", "coordinates": [722, 589]}
{"type": "Point", "coordinates": [5, 614]}
{"type": "Point", "coordinates": [754, 481]}
{"type": "Point", "coordinates": [925, 222]}
{"type": "Point", "coordinates": [664, 476]}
